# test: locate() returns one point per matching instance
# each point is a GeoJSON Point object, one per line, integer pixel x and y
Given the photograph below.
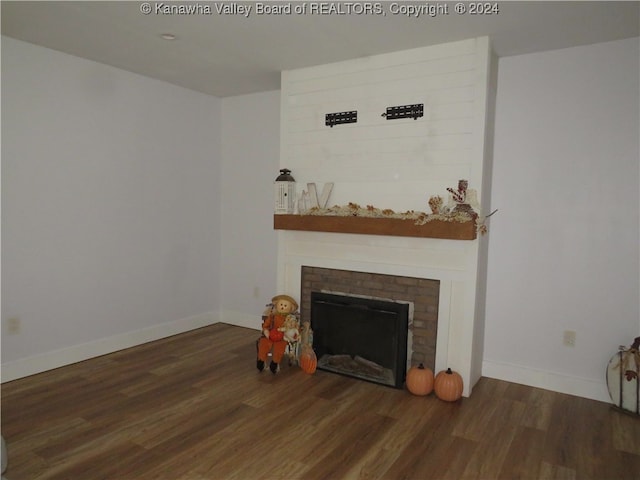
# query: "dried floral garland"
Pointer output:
{"type": "Point", "coordinates": [439, 211]}
{"type": "Point", "coordinates": [355, 210]}
{"type": "Point", "coordinates": [481, 223]}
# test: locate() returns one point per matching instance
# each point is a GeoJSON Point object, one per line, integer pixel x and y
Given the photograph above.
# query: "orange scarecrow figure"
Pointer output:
{"type": "Point", "coordinates": [273, 331]}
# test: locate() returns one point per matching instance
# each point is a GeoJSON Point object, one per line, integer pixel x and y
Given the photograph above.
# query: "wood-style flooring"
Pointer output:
{"type": "Point", "coordinates": [194, 407]}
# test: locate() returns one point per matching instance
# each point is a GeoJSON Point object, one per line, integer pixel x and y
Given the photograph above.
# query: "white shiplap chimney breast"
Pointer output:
{"type": "Point", "coordinates": [397, 164]}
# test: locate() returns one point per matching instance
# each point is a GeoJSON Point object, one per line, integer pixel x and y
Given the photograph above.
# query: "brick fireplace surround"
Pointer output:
{"type": "Point", "coordinates": [423, 293]}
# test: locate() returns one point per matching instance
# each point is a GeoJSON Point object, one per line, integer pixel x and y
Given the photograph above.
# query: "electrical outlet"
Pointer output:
{"type": "Point", "coordinates": [13, 326]}
{"type": "Point", "coordinates": [256, 292]}
{"type": "Point", "coordinates": [569, 338]}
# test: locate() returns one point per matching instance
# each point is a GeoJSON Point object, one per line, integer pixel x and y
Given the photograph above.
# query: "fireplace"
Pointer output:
{"type": "Point", "coordinates": [398, 165]}
{"type": "Point", "coordinates": [421, 295]}
{"type": "Point", "coordinates": [361, 337]}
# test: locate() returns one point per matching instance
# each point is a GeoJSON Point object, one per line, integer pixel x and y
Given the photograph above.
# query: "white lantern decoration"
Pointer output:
{"type": "Point", "coordinates": [285, 189]}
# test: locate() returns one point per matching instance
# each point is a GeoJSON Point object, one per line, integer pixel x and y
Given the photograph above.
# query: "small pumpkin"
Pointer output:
{"type": "Point", "coordinates": [448, 385]}
{"type": "Point", "coordinates": [420, 380]}
{"type": "Point", "coordinates": [308, 359]}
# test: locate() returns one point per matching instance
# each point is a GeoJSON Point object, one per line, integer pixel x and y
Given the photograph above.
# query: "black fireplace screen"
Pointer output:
{"type": "Point", "coordinates": [360, 337]}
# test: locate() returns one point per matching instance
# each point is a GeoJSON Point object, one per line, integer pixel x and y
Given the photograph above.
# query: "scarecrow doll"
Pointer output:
{"type": "Point", "coordinates": [274, 327]}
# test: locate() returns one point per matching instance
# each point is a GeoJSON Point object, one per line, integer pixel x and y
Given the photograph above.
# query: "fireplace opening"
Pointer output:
{"type": "Point", "coordinates": [360, 337]}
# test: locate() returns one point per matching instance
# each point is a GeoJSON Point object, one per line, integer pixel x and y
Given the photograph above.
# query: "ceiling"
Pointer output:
{"type": "Point", "coordinates": [232, 54]}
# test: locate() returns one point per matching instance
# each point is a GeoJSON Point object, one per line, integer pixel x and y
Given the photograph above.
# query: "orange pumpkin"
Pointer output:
{"type": "Point", "coordinates": [420, 380]}
{"type": "Point", "coordinates": [308, 359]}
{"type": "Point", "coordinates": [448, 385]}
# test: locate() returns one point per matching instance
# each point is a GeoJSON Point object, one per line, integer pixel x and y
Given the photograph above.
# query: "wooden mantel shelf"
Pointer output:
{"type": "Point", "coordinates": [376, 226]}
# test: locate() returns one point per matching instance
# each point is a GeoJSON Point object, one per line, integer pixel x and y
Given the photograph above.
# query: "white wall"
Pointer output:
{"type": "Point", "coordinates": [563, 250]}
{"type": "Point", "coordinates": [250, 151]}
{"type": "Point", "coordinates": [563, 246]}
{"type": "Point", "coordinates": [110, 208]}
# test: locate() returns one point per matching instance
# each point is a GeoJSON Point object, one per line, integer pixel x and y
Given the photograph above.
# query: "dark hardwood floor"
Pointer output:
{"type": "Point", "coordinates": [194, 407]}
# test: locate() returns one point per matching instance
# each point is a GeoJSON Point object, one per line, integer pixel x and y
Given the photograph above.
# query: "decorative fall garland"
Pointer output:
{"type": "Point", "coordinates": [462, 211]}
{"type": "Point", "coordinates": [355, 210]}
{"type": "Point", "coordinates": [420, 218]}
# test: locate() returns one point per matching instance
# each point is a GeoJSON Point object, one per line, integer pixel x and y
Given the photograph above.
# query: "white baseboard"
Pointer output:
{"type": "Point", "coordinates": [557, 382]}
{"type": "Point", "coordinates": [582, 387]}
{"type": "Point", "coordinates": [240, 319]}
{"type": "Point", "coordinates": [77, 353]}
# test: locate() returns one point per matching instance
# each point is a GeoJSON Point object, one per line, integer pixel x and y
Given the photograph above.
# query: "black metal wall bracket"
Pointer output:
{"type": "Point", "coordinates": [331, 119]}
{"type": "Point", "coordinates": [405, 111]}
